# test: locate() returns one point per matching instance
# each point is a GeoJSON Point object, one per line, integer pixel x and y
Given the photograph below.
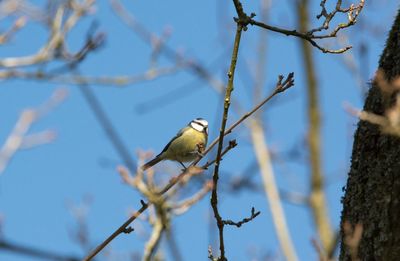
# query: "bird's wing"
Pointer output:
{"type": "Point", "coordinates": [174, 138]}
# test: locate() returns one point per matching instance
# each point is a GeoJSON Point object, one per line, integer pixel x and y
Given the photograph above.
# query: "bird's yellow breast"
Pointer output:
{"type": "Point", "coordinates": [186, 147]}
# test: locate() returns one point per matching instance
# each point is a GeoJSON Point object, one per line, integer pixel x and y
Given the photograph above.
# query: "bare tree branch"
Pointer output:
{"type": "Point", "coordinates": [55, 47]}
{"type": "Point", "coordinates": [177, 57]}
{"type": "Point", "coordinates": [18, 24]}
{"type": "Point", "coordinates": [62, 78]}
{"type": "Point", "coordinates": [34, 252]}
{"type": "Point", "coordinates": [270, 188]}
{"type": "Point", "coordinates": [254, 214]}
{"type": "Point", "coordinates": [227, 101]}
{"type": "Point", "coordinates": [317, 200]}
{"type": "Point", "coordinates": [279, 88]}
{"type": "Point", "coordinates": [18, 138]}
{"type": "Point", "coordinates": [352, 12]}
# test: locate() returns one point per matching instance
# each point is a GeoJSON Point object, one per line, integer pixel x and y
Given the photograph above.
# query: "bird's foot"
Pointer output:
{"type": "Point", "coordinates": [183, 165]}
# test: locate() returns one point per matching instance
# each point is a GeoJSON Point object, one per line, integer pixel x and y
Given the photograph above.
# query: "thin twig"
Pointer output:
{"type": "Point", "coordinates": [175, 55]}
{"type": "Point", "coordinates": [55, 47]}
{"type": "Point", "coordinates": [18, 24]}
{"type": "Point", "coordinates": [232, 144]}
{"type": "Point", "coordinates": [227, 101]}
{"type": "Point", "coordinates": [181, 207]}
{"type": "Point", "coordinates": [124, 228]}
{"type": "Point", "coordinates": [254, 214]}
{"type": "Point", "coordinates": [279, 88]}
{"type": "Point", "coordinates": [309, 36]}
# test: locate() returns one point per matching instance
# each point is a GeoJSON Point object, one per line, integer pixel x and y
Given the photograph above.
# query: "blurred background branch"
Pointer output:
{"type": "Point", "coordinates": [19, 137]}
{"type": "Point", "coordinates": [317, 200]}
{"type": "Point", "coordinates": [34, 252]}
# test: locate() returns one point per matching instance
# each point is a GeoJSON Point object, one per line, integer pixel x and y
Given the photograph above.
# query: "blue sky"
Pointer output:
{"type": "Point", "coordinates": [39, 184]}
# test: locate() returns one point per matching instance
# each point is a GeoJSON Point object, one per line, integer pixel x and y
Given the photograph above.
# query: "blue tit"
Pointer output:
{"type": "Point", "coordinates": [186, 146]}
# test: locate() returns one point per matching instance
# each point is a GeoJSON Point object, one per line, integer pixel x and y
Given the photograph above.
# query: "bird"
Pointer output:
{"type": "Point", "coordinates": [189, 143]}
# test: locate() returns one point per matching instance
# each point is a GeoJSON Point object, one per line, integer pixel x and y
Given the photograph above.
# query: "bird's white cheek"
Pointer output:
{"type": "Point", "coordinates": [196, 126]}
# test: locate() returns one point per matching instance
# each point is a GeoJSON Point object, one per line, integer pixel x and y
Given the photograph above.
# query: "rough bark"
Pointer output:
{"type": "Point", "coordinates": [372, 195]}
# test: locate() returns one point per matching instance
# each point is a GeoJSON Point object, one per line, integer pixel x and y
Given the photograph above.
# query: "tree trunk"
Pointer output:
{"type": "Point", "coordinates": [372, 196]}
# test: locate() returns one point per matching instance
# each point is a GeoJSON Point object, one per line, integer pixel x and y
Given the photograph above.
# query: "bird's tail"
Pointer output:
{"type": "Point", "coordinates": [151, 163]}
